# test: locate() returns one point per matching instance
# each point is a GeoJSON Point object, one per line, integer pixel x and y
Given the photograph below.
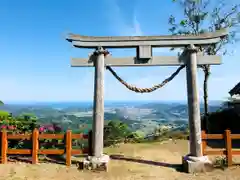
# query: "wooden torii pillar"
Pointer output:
{"type": "Point", "coordinates": [195, 161]}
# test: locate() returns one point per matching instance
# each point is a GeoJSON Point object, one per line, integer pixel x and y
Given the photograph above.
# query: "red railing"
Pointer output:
{"type": "Point", "coordinates": [228, 151]}
{"type": "Point", "coordinates": [35, 136]}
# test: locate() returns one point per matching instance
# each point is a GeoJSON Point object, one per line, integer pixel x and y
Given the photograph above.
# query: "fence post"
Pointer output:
{"type": "Point", "coordinates": [90, 147]}
{"type": "Point", "coordinates": [35, 146]}
{"type": "Point", "coordinates": [4, 147]}
{"type": "Point", "coordinates": [204, 141]}
{"type": "Point", "coordinates": [68, 147]}
{"type": "Point", "coordinates": [228, 145]}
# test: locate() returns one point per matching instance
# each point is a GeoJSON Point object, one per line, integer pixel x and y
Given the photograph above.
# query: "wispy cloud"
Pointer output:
{"type": "Point", "coordinates": [137, 31]}
{"type": "Point", "coordinates": [119, 23]}
{"type": "Point", "coordinates": [121, 27]}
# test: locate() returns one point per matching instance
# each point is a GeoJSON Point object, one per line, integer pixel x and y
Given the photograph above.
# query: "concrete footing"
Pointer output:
{"type": "Point", "coordinates": [193, 164]}
{"type": "Point", "coordinates": [96, 163]}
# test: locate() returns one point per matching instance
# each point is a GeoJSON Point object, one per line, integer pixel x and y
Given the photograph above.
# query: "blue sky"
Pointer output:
{"type": "Point", "coordinates": [35, 58]}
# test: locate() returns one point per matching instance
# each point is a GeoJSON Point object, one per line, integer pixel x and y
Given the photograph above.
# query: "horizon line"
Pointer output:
{"type": "Point", "coordinates": [89, 101]}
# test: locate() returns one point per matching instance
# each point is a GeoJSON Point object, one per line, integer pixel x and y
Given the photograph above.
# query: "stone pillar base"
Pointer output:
{"type": "Point", "coordinates": [94, 163]}
{"type": "Point", "coordinates": [196, 164]}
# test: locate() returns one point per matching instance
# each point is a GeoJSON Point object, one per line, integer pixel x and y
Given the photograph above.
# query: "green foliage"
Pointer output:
{"type": "Point", "coordinates": [20, 124]}
{"type": "Point", "coordinates": [4, 114]}
{"type": "Point", "coordinates": [161, 133]}
{"type": "Point", "coordinates": [177, 135]}
{"type": "Point", "coordinates": [29, 122]}
{"type": "Point", "coordinates": [200, 16]}
{"type": "Point", "coordinates": [24, 123]}
{"type": "Point", "coordinates": [220, 162]}
{"type": "Point", "coordinates": [115, 132]}
{"type": "Point", "coordinates": [136, 137]}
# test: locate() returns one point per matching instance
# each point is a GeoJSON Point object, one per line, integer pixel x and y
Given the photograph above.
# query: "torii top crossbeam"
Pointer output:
{"type": "Point", "coordinates": [144, 45]}
{"type": "Point", "coordinates": [153, 41]}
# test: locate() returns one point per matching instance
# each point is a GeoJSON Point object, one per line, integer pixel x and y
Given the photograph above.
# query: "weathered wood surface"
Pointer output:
{"type": "Point", "coordinates": [155, 61]}
{"type": "Point", "coordinates": [153, 41]}
{"type": "Point", "coordinates": [98, 107]}
{"type": "Point", "coordinates": [193, 104]}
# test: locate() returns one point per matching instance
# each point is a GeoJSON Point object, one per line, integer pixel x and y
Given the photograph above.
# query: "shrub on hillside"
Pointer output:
{"type": "Point", "coordinates": [50, 128]}
{"type": "Point", "coordinates": [161, 133]}
{"type": "Point", "coordinates": [51, 143]}
{"type": "Point", "coordinates": [5, 115]}
{"type": "Point", "coordinates": [115, 132]}
{"type": "Point", "coordinates": [177, 135]}
{"type": "Point", "coordinates": [24, 123]}
{"type": "Point", "coordinates": [136, 137]}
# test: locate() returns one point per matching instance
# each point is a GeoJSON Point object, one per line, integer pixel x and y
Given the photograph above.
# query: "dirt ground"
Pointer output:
{"type": "Point", "coordinates": [141, 161]}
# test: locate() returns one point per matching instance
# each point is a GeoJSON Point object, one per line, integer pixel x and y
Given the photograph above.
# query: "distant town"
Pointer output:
{"type": "Point", "coordinates": [143, 117]}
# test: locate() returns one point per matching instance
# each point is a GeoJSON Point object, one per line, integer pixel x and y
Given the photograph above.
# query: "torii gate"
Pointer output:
{"type": "Point", "coordinates": [195, 161]}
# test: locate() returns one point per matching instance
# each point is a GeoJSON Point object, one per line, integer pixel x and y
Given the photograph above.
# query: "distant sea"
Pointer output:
{"type": "Point", "coordinates": [61, 105]}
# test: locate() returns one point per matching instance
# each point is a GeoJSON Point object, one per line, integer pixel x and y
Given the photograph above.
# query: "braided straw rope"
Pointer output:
{"type": "Point", "coordinates": [145, 90]}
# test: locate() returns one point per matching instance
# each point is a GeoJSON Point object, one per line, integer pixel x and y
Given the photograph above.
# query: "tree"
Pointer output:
{"type": "Point", "coordinates": [1, 103]}
{"type": "Point", "coordinates": [202, 16]}
{"type": "Point", "coordinates": [115, 132]}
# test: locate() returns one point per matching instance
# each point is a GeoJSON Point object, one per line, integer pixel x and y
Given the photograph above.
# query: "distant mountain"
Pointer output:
{"type": "Point", "coordinates": [138, 115]}
{"type": "Point", "coordinates": [173, 111]}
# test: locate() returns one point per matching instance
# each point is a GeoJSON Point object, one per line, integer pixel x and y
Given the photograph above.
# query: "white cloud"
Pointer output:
{"type": "Point", "coordinates": [119, 23]}
{"type": "Point", "coordinates": [122, 28]}
{"type": "Point", "coordinates": [137, 31]}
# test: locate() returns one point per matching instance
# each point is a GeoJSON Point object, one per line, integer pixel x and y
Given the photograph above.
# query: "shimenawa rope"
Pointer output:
{"type": "Point", "coordinates": [145, 90]}
{"type": "Point", "coordinates": [100, 50]}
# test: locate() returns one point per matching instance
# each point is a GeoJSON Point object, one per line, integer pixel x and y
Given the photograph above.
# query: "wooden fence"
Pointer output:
{"type": "Point", "coordinates": [228, 151]}
{"type": "Point", "coordinates": [35, 151]}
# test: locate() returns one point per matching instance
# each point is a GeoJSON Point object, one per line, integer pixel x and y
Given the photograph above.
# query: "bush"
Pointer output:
{"type": "Point", "coordinates": [50, 128]}
{"type": "Point", "coordinates": [51, 143]}
{"type": "Point", "coordinates": [115, 132]}
{"type": "Point", "coordinates": [25, 123]}
{"type": "Point", "coordinates": [177, 135]}
{"type": "Point", "coordinates": [220, 162]}
{"type": "Point", "coordinates": [163, 133]}
{"type": "Point", "coordinates": [136, 137]}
